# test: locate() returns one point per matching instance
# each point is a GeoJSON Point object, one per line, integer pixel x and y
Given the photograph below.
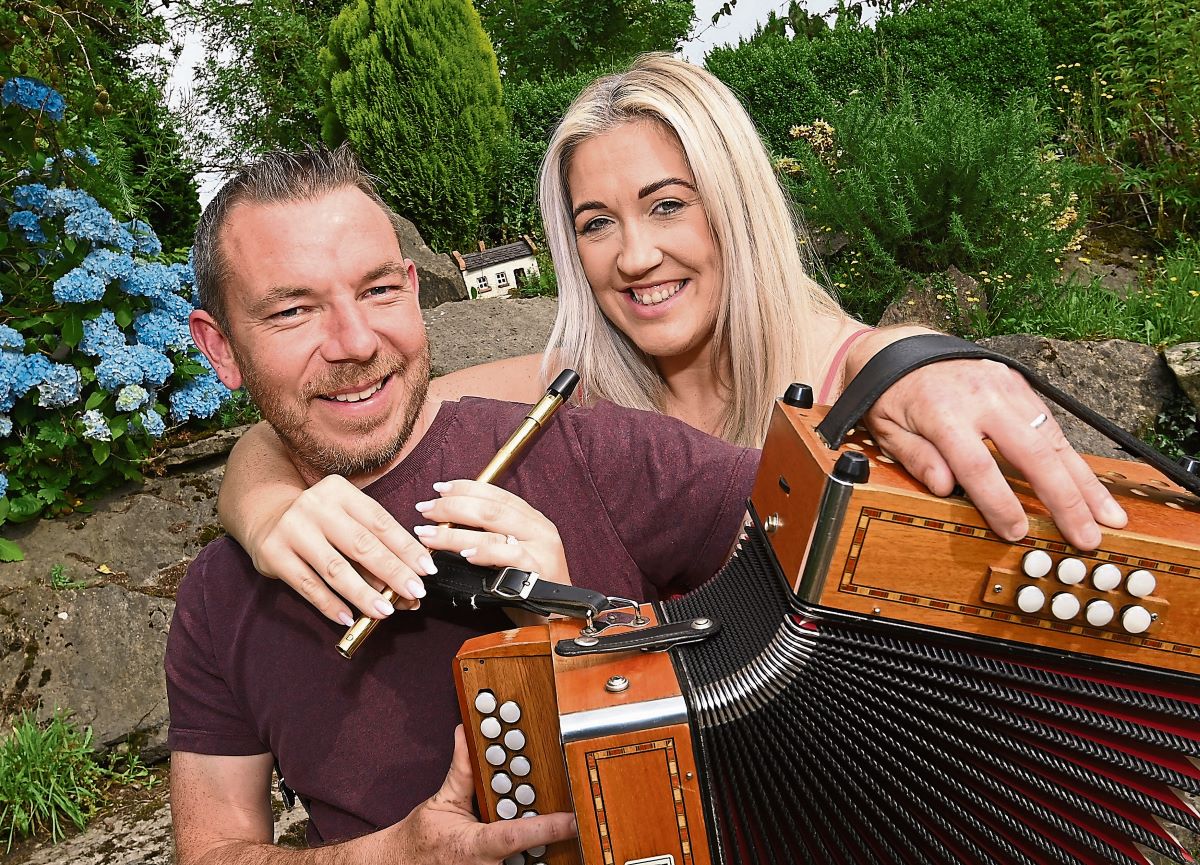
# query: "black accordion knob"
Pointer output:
{"type": "Point", "coordinates": [1191, 465]}
{"type": "Point", "coordinates": [852, 467]}
{"type": "Point", "coordinates": [798, 396]}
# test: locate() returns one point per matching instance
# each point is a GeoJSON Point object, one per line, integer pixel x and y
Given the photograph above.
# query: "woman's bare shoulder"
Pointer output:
{"type": "Point", "coordinates": [517, 379]}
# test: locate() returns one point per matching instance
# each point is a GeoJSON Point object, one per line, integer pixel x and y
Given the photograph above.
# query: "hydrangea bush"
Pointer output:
{"type": "Point", "coordinates": [95, 355]}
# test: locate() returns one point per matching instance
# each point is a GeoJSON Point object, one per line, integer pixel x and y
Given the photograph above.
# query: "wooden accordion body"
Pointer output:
{"type": "Point", "coordinates": [884, 687]}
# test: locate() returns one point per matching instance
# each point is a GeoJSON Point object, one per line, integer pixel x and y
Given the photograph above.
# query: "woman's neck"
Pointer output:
{"type": "Point", "coordinates": [694, 393]}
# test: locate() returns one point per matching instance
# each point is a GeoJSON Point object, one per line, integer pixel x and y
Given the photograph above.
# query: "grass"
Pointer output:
{"type": "Point", "coordinates": [1163, 308]}
{"type": "Point", "coordinates": [60, 579]}
{"type": "Point", "coordinates": [51, 777]}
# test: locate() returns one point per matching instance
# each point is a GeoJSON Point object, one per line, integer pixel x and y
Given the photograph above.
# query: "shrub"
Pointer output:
{"type": "Point", "coordinates": [414, 86]}
{"type": "Point", "coordinates": [783, 82]}
{"type": "Point", "coordinates": [51, 775]}
{"type": "Point", "coordinates": [993, 51]}
{"type": "Point", "coordinates": [919, 185]}
{"type": "Point", "coordinates": [94, 344]}
{"type": "Point", "coordinates": [535, 108]}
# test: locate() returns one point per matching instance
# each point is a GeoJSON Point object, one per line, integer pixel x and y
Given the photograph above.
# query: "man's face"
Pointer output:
{"type": "Point", "coordinates": [324, 329]}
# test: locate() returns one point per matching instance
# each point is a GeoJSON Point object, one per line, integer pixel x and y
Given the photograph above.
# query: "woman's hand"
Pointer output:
{"type": "Point", "coordinates": [492, 527]}
{"type": "Point", "coordinates": [334, 540]}
{"type": "Point", "coordinates": [934, 422]}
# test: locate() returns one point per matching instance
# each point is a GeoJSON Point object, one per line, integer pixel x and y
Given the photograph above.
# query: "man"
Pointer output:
{"type": "Point", "coordinates": [309, 302]}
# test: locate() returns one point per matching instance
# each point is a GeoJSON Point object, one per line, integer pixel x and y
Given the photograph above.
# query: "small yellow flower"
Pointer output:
{"type": "Point", "coordinates": [1083, 259]}
{"type": "Point", "coordinates": [1174, 279]}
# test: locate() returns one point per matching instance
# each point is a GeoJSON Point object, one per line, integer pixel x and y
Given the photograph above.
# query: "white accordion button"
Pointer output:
{"type": "Point", "coordinates": [1030, 599]}
{"type": "Point", "coordinates": [485, 702]}
{"type": "Point", "coordinates": [514, 740]}
{"type": "Point", "coordinates": [510, 712]}
{"type": "Point", "coordinates": [1036, 564]}
{"type": "Point", "coordinates": [1140, 584]}
{"type": "Point", "coordinates": [1064, 606]}
{"type": "Point", "coordinates": [1135, 619]}
{"type": "Point", "coordinates": [536, 851]}
{"type": "Point", "coordinates": [515, 859]}
{"type": "Point", "coordinates": [520, 767]}
{"type": "Point", "coordinates": [501, 783]}
{"type": "Point", "coordinates": [495, 755]}
{"type": "Point", "coordinates": [1071, 571]}
{"type": "Point", "coordinates": [1106, 577]}
{"type": "Point", "coordinates": [506, 809]}
{"type": "Point", "coordinates": [1099, 613]}
{"type": "Point", "coordinates": [490, 727]}
{"type": "Point", "coordinates": [524, 794]}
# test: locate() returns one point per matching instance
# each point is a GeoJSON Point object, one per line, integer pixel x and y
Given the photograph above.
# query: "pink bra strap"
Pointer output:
{"type": "Point", "coordinates": [835, 366]}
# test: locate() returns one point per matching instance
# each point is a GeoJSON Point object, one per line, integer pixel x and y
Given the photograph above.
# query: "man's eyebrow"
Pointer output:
{"type": "Point", "coordinates": [388, 268]}
{"type": "Point", "coordinates": [277, 294]}
{"type": "Point", "coordinates": [646, 190]}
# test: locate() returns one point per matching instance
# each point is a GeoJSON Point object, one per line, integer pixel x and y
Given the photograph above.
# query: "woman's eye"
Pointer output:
{"type": "Point", "coordinates": [595, 224]}
{"type": "Point", "coordinates": [669, 206]}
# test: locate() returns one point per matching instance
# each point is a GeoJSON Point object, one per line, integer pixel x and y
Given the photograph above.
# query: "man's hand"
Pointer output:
{"type": "Point", "coordinates": [934, 421]}
{"type": "Point", "coordinates": [311, 545]}
{"type": "Point", "coordinates": [443, 828]}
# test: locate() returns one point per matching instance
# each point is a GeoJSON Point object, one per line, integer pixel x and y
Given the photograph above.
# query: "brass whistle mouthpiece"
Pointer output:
{"type": "Point", "coordinates": [560, 391]}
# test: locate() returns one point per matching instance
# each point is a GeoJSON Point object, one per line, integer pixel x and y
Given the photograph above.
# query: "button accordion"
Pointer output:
{"type": "Point", "coordinates": [886, 680]}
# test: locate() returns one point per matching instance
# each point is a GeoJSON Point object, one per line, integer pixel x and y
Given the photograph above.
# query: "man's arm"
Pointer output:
{"type": "Point", "coordinates": [221, 811]}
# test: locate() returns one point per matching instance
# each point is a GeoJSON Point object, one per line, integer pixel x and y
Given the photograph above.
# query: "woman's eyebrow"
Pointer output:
{"type": "Point", "coordinates": [652, 188]}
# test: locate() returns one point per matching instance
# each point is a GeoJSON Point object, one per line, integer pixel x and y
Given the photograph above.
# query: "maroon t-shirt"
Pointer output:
{"type": "Point", "coordinates": [645, 505]}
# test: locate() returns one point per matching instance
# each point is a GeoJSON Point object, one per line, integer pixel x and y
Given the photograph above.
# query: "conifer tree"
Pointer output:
{"type": "Point", "coordinates": [414, 86]}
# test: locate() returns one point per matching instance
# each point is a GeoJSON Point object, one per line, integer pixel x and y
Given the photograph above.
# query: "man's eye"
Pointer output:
{"type": "Point", "coordinates": [290, 312]}
{"type": "Point", "coordinates": [381, 290]}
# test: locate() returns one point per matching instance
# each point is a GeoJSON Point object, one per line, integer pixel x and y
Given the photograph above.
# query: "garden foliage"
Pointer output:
{"type": "Point", "coordinates": [413, 84]}
{"type": "Point", "coordinates": [917, 184]}
{"type": "Point", "coordinates": [95, 352]}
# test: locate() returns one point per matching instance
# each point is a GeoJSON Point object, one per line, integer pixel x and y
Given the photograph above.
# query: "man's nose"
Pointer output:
{"type": "Point", "coordinates": [639, 252]}
{"type": "Point", "coordinates": [349, 335]}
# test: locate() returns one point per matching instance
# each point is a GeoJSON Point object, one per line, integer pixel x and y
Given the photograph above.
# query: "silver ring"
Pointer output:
{"type": "Point", "coordinates": [1038, 421]}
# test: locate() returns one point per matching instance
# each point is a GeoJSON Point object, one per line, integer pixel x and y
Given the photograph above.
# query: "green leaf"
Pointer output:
{"type": "Point", "coordinates": [24, 508]}
{"type": "Point", "coordinates": [100, 452]}
{"type": "Point", "coordinates": [72, 329]}
{"type": "Point", "coordinates": [3, 510]}
{"type": "Point", "coordinates": [94, 400]}
{"type": "Point", "coordinates": [69, 243]}
{"type": "Point", "coordinates": [10, 552]}
{"type": "Point", "coordinates": [124, 315]}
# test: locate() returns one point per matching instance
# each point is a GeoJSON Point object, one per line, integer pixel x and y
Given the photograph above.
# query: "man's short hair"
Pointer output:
{"type": "Point", "coordinates": [277, 178]}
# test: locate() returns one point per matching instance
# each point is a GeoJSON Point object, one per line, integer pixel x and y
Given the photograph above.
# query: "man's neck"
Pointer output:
{"type": "Point", "coordinates": [429, 410]}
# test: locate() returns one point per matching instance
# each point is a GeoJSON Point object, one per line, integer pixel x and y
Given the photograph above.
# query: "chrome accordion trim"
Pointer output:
{"type": "Point", "coordinates": [626, 718]}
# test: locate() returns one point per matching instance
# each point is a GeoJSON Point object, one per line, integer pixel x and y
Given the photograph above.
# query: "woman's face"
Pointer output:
{"type": "Point", "coordinates": [644, 239]}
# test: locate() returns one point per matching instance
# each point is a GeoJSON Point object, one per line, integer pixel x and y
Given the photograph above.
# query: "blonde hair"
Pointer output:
{"type": "Point", "coordinates": [769, 300]}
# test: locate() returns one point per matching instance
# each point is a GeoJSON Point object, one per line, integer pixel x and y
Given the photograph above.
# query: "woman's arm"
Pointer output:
{"type": "Point", "coordinates": [307, 536]}
{"type": "Point", "coordinates": [935, 420]}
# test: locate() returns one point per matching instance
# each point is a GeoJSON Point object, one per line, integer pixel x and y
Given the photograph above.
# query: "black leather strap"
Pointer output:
{"type": "Point", "coordinates": [477, 586]}
{"type": "Point", "coordinates": [906, 355]}
{"type": "Point", "coordinates": [657, 638]}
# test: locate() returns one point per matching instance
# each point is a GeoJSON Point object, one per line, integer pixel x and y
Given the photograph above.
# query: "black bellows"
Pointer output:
{"type": "Point", "coordinates": [831, 738]}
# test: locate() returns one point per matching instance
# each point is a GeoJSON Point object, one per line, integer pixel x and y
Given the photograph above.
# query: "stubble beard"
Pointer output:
{"type": "Point", "coordinates": [290, 420]}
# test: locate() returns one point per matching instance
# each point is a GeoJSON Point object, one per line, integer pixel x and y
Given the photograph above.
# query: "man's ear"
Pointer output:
{"type": "Point", "coordinates": [413, 282]}
{"type": "Point", "coordinates": [211, 340]}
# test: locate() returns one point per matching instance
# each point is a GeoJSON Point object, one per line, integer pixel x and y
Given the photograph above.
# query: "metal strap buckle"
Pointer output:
{"type": "Point", "coordinates": [512, 583]}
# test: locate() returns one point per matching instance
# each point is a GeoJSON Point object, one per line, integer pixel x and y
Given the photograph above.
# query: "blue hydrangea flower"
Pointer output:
{"type": "Point", "coordinates": [59, 387]}
{"type": "Point", "coordinates": [63, 199]}
{"type": "Point", "coordinates": [78, 286]}
{"type": "Point", "coordinates": [151, 280]}
{"type": "Point", "coordinates": [32, 370]}
{"type": "Point", "coordinates": [200, 398]}
{"type": "Point", "coordinates": [108, 265]}
{"type": "Point", "coordinates": [97, 225]}
{"type": "Point", "coordinates": [9, 361]}
{"type": "Point", "coordinates": [152, 422]}
{"type": "Point", "coordinates": [117, 369]}
{"type": "Point", "coordinates": [101, 336]}
{"type": "Point", "coordinates": [132, 397]}
{"type": "Point", "coordinates": [34, 95]}
{"type": "Point", "coordinates": [146, 242]}
{"type": "Point", "coordinates": [156, 367]}
{"type": "Point", "coordinates": [84, 153]}
{"type": "Point", "coordinates": [95, 426]}
{"type": "Point", "coordinates": [163, 331]}
{"type": "Point", "coordinates": [11, 338]}
{"type": "Point", "coordinates": [187, 276]}
{"type": "Point", "coordinates": [6, 428]}
{"type": "Point", "coordinates": [3, 485]}
{"type": "Point", "coordinates": [27, 222]}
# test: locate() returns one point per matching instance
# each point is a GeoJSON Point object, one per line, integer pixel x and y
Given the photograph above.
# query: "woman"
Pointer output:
{"type": "Point", "coordinates": [682, 289]}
